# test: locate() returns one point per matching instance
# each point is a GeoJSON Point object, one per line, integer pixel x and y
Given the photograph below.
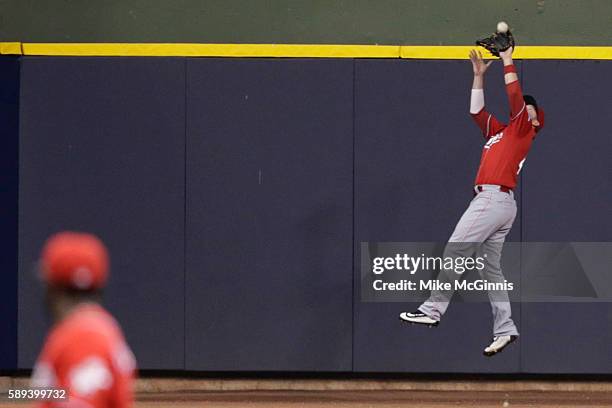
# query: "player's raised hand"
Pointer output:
{"type": "Point", "coordinates": [504, 55]}
{"type": "Point", "coordinates": [478, 65]}
{"type": "Point", "coordinates": [507, 53]}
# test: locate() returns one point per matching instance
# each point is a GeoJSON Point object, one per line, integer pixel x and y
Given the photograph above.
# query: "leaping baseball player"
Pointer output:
{"type": "Point", "coordinates": [483, 227]}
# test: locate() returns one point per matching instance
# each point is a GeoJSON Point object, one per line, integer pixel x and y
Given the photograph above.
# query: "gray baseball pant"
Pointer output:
{"type": "Point", "coordinates": [481, 230]}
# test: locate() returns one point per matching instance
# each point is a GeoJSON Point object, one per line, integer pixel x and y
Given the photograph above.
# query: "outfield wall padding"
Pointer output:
{"type": "Point", "coordinates": [269, 215]}
{"type": "Point", "coordinates": [9, 184]}
{"type": "Point", "coordinates": [103, 150]}
{"type": "Point", "coordinates": [234, 194]}
{"type": "Point", "coordinates": [567, 184]}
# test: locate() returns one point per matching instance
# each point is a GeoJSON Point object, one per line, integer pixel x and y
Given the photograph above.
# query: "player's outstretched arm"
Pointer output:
{"type": "Point", "coordinates": [479, 67]}
{"type": "Point", "coordinates": [506, 56]}
{"type": "Point", "coordinates": [513, 87]}
{"type": "Point", "coordinates": [487, 123]}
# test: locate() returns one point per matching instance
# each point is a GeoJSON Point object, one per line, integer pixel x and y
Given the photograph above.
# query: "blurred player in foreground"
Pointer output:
{"type": "Point", "coordinates": [85, 352]}
{"type": "Point", "coordinates": [488, 219]}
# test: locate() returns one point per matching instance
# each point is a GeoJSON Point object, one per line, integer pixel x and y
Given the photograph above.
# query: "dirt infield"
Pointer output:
{"type": "Point", "coordinates": [360, 393]}
{"type": "Point", "coordinates": [374, 399]}
{"type": "Point", "coordinates": [370, 399]}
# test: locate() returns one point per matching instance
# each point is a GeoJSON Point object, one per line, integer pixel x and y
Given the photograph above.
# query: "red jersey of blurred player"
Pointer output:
{"type": "Point", "coordinates": [85, 352]}
{"type": "Point", "coordinates": [507, 146]}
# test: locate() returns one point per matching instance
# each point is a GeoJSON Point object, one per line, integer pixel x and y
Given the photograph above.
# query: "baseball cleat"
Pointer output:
{"type": "Point", "coordinates": [498, 344]}
{"type": "Point", "coordinates": [418, 318]}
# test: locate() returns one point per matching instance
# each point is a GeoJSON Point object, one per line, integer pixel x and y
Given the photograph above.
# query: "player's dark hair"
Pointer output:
{"type": "Point", "coordinates": [530, 100]}
{"type": "Point", "coordinates": [77, 295]}
{"type": "Point", "coordinates": [86, 295]}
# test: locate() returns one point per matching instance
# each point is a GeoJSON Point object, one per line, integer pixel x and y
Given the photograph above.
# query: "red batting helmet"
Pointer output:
{"type": "Point", "coordinates": [75, 260]}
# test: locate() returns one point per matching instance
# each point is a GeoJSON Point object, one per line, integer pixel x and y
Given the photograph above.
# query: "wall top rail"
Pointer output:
{"type": "Point", "coordinates": [290, 50]}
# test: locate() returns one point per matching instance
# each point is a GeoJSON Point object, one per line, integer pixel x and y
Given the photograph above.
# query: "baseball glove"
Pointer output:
{"type": "Point", "coordinates": [497, 42]}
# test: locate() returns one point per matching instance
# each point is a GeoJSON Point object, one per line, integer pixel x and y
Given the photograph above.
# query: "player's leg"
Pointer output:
{"type": "Point", "coordinates": [475, 226]}
{"type": "Point", "coordinates": [504, 329]}
{"type": "Point", "coordinates": [503, 324]}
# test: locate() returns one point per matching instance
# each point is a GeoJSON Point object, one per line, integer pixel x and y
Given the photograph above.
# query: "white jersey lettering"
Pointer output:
{"type": "Point", "coordinates": [494, 139]}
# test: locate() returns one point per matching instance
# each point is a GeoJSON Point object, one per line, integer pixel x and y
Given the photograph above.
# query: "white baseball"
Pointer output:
{"type": "Point", "coordinates": [502, 27]}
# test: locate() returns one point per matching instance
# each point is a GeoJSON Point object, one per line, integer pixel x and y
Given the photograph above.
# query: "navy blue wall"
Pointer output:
{"type": "Point", "coordinates": [103, 150]}
{"type": "Point", "coordinates": [234, 193]}
{"type": "Point", "coordinates": [9, 178]}
{"type": "Point", "coordinates": [567, 179]}
{"type": "Point", "coordinates": [269, 214]}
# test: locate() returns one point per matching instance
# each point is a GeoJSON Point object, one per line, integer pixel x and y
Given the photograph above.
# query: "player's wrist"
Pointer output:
{"type": "Point", "coordinates": [510, 69]}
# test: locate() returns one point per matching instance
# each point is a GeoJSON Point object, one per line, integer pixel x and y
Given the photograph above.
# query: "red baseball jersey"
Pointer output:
{"type": "Point", "coordinates": [86, 354]}
{"type": "Point", "coordinates": [507, 145]}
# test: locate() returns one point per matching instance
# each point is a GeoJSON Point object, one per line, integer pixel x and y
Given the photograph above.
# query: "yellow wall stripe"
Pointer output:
{"type": "Point", "coordinates": [292, 51]}
{"type": "Point", "coordinates": [437, 52]}
{"type": "Point", "coordinates": [216, 50]}
{"type": "Point", "coordinates": [525, 52]}
{"type": "Point", "coordinates": [10, 48]}
{"type": "Point", "coordinates": [560, 52]}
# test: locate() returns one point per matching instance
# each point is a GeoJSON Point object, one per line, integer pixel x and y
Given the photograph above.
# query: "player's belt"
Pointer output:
{"type": "Point", "coordinates": [503, 189]}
